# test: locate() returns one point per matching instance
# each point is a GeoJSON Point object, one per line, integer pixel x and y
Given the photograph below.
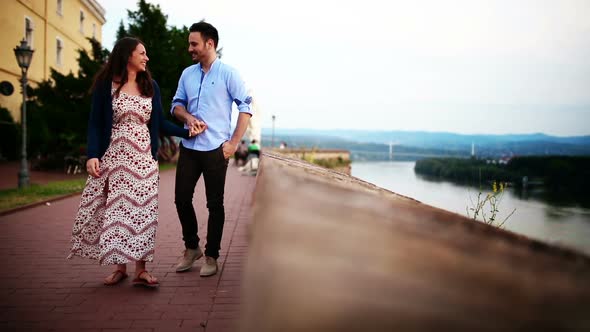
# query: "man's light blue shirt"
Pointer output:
{"type": "Point", "coordinates": [209, 97]}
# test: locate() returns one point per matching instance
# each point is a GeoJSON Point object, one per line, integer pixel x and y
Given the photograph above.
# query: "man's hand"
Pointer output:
{"type": "Point", "coordinates": [229, 149]}
{"type": "Point", "coordinates": [195, 125]}
{"type": "Point", "coordinates": [196, 128]}
{"type": "Point", "coordinates": [92, 167]}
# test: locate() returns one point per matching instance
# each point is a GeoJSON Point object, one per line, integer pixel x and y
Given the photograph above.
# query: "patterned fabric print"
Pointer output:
{"type": "Point", "coordinates": [117, 218]}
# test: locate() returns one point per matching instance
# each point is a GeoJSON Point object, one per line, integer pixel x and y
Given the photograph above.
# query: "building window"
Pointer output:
{"type": "Point", "coordinates": [59, 46]}
{"type": "Point", "coordinates": [29, 31]}
{"type": "Point", "coordinates": [82, 21]}
{"type": "Point", "coordinates": [60, 6]}
{"type": "Point", "coordinates": [94, 30]}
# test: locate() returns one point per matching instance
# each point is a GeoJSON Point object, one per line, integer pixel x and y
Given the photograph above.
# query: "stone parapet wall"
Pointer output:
{"type": "Point", "coordinates": [335, 157]}
{"type": "Point", "coordinates": [317, 154]}
{"type": "Point", "coordinates": [330, 252]}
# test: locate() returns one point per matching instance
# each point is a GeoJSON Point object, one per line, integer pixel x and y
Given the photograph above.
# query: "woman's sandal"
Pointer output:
{"type": "Point", "coordinates": [144, 282]}
{"type": "Point", "coordinates": [116, 277]}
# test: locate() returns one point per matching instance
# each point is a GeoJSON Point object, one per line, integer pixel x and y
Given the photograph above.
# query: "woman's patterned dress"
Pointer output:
{"type": "Point", "coordinates": [118, 214]}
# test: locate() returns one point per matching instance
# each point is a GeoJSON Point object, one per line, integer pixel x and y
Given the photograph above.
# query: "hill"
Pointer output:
{"type": "Point", "coordinates": [375, 144]}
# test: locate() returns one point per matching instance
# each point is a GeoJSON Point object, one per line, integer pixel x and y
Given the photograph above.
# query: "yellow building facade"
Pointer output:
{"type": "Point", "coordinates": [55, 30]}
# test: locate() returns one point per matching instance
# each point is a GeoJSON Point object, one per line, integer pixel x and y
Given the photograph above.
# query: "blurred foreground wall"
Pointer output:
{"type": "Point", "coordinates": [330, 252]}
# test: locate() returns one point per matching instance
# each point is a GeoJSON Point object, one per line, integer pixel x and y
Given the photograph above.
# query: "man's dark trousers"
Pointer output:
{"type": "Point", "coordinates": [213, 165]}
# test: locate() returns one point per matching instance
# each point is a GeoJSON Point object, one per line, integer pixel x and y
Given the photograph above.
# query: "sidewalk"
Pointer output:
{"type": "Point", "coordinates": [42, 291]}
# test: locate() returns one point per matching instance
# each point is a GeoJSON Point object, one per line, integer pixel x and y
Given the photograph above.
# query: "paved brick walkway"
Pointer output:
{"type": "Point", "coordinates": [42, 291]}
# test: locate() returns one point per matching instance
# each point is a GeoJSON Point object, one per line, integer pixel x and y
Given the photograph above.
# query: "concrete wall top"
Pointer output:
{"type": "Point", "coordinates": [330, 252]}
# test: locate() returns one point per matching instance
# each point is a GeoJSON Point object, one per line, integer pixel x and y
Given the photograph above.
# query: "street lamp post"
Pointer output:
{"type": "Point", "coordinates": [23, 54]}
{"type": "Point", "coordinates": [272, 142]}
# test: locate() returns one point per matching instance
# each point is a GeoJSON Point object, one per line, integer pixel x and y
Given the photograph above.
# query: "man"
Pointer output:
{"type": "Point", "coordinates": [204, 99]}
{"type": "Point", "coordinates": [254, 149]}
{"type": "Point", "coordinates": [241, 153]}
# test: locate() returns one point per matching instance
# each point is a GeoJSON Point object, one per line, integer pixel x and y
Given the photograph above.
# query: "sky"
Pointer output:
{"type": "Point", "coordinates": [462, 66]}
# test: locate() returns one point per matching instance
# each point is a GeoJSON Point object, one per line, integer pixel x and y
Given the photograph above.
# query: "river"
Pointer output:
{"type": "Point", "coordinates": [562, 224]}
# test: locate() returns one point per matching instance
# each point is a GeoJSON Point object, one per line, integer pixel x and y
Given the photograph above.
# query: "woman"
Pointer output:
{"type": "Point", "coordinates": [118, 214]}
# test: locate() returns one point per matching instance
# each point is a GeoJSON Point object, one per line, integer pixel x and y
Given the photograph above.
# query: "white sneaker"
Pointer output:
{"type": "Point", "coordinates": [209, 267]}
{"type": "Point", "coordinates": [190, 256]}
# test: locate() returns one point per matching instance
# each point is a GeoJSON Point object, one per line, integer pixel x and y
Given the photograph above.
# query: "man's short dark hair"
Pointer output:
{"type": "Point", "coordinates": [207, 31]}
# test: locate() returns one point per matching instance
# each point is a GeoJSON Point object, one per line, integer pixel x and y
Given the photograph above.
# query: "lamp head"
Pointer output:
{"type": "Point", "coordinates": [24, 54]}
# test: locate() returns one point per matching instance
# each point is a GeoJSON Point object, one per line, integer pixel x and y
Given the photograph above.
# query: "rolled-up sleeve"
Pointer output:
{"type": "Point", "coordinates": [180, 98]}
{"type": "Point", "coordinates": [239, 93]}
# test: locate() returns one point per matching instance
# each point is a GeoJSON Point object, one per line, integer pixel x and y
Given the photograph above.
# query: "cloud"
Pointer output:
{"type": "Point", "coordinates": [399, 63]}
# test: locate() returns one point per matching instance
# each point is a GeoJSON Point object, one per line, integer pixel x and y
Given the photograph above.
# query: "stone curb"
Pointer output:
{"type": "Point", "coordinates": [53, 199]}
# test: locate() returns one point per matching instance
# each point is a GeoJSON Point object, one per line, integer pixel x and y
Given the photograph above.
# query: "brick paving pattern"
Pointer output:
{"type": "Point", "coordinates": [42, 291]}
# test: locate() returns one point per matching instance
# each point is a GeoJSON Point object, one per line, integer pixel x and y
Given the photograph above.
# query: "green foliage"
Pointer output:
{"type": "Point", "coordinates": [332, 163]}
{"type": "Point", "coordinates": [556, 173]}
{"type": "Point", "coordinates": [9, 136]}
{"type": "Point", "coordinates": [57, 115]}
{"type": "Point", "coordinates": [12, 198]}
{"type": "Point", "coordinates": [486, 208]}
{"type": "Point", "coordinates": [166, 47]}
{"type": "Point", "coordinates": [469, 171]}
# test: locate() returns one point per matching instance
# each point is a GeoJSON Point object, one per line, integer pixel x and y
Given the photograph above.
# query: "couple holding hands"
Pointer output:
{"type": "Point", "coordinates": [196, 127]}
{"type": "Point", "coordinates": [117, 218]}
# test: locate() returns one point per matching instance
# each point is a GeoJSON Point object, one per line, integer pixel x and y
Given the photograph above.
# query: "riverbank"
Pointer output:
{"type": "Point", "coordinates": [557, 174]}
{"type": "Point", "coordinates": [547, 218]}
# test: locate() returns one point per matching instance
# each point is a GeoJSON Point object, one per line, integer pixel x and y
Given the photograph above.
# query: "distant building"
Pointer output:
{"type": "Point", "coordinates": [55, 30]}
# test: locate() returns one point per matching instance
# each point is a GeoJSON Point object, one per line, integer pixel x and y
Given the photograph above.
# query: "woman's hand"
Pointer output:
{"type": "Point", "coordinates": [92, 167]}
{"type": "Point", "coordinates": [195, 126]}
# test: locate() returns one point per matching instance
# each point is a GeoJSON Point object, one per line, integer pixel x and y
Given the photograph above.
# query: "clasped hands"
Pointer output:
{"type": "Point", "coordinates": [195, 126]}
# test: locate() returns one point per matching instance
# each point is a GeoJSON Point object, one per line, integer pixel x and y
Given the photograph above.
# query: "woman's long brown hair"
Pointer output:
{"type": "Point", "coordinates": [116, 67]}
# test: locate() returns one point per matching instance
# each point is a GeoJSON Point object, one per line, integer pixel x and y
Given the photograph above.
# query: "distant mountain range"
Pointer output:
{"type": "Point", "coordinates": [365, 144]}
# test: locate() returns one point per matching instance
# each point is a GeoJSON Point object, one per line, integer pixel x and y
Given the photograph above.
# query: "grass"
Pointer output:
{"type": "Point", "coordinates": [332, 163]}
{"type": "Point", "coordinates": [166, 166]}
{"type": "Point", "coordinates": [486, 207]}
{"type": "Point", "coordinates": [13, 198]}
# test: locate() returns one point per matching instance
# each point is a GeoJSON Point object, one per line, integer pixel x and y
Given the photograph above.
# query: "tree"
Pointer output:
{"type": "Point", "coordinates": [167, 50]}
{"type": "Point", "coordinates": [59, 109]}
{"type": "Point", "coordinates": [166, 46]}
{"type": "Point", "coordinates": [9, 136]}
